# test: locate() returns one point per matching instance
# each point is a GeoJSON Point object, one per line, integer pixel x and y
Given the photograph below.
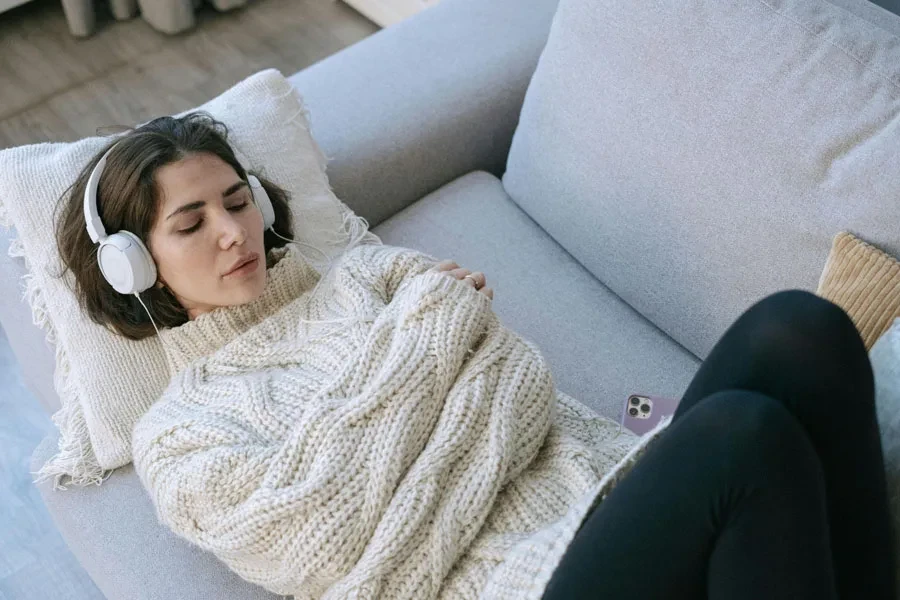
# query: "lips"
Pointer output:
{"type": "Point", "coordinates": [246, 263]}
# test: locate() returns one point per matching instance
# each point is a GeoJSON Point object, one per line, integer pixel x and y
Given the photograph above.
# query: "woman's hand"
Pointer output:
{"type": "Point", "coordinates": [477, 279]}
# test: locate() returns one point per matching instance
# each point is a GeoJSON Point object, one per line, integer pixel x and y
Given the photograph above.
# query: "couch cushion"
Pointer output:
{"type": "Point", "coordinates": [599, 348]}
{"type": "Point", "coordinates": [878, 12]}
{"type": "Point", "coordinates": [113, 531]}
{"type": "Point", "coordinates": [697, 155]}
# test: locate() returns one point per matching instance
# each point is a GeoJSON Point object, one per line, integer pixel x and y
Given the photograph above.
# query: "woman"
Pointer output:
{"type": "Point", "coordinates": [768, 484]}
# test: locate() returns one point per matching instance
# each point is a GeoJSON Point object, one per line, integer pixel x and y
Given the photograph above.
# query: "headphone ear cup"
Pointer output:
{"type": "Point", "coordinates": [262, 201]}
{"type": "Point", "coordinates": [126, 263]}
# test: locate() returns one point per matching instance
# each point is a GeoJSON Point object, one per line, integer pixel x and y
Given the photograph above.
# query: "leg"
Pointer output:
{"type": "Point", "coordinates": [728, 504]}
{"type": "Point", "coordinates": [123, 9]}
{"type": "Point", "coordinates": [168, 16]}
{"type": "Point", "coordinates": [224, 5]}
{"type": "Point", "coordinates": [806, 353]}
{"type": "Point", "coordinates": [80, 17]}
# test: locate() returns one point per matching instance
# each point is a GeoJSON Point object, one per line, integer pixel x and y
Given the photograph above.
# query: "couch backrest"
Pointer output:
{"type": "Point", "coordinates": [867, 9]}
{"type": "Point", "coordinates": [697, 155]}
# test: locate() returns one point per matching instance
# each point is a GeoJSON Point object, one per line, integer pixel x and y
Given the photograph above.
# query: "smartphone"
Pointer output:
{"type": "Point", "coordinates": [642, 413]}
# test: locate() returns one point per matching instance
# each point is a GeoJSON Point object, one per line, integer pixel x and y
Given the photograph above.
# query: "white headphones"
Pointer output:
{"type": "Point", "coordinates": [123, 258]}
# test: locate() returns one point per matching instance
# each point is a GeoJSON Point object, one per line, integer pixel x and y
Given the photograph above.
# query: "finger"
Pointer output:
{"type": "Point", "coordinates": [445, 265]}
{"type": "Point", "coordinates": [472, 280]}
{"type": "Point", "coordinates": [460, 273]}
{"type": "Point", "coordinates": [487, 292]}
{"type": "Point", "coordinates": [480, 279]}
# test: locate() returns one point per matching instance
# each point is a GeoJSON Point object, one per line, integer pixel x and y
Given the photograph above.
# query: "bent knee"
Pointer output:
{"type": "Point", "coordinates": [814, 335]}
{"type": "Point", "coordinates": [752, 435]}
{"type": "Point", "coordinates": [805, 314]}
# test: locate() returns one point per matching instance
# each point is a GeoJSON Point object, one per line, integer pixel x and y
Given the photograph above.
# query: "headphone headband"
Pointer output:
{"type": "Point", "coordinates": [92, 220]}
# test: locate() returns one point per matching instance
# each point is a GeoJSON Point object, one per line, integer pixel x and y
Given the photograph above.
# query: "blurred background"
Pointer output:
{"type": "Point", "coordinates": [58, 87]}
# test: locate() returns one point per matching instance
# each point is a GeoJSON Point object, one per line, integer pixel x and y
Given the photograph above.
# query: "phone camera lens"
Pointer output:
{"type": "Point", "coordinates": [645, 408]}
{"type": "Point", "coordinates": [633, 411]}
{"type": "Point", "coordinates": [635, 400]}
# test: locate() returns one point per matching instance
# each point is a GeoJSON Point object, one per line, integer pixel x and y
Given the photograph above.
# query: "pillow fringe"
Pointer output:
{"type": "Point", "coordinates": [354, 229]}
{"type": "Point", "coordinates": [75, 463]}
{"type": "Point", "coordinates": [305, 123]}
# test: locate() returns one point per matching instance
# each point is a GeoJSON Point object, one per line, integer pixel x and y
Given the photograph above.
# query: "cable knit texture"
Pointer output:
{"type": "Point", "coordinates": [378, 435]}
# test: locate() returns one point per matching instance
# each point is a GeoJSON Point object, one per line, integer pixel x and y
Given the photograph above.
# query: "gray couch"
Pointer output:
{"type": "Point", "coordinates": [419, 120]}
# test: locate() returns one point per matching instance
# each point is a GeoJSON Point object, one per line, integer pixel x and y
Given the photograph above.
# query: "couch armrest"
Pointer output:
{"type": "Point", "coordinates": [114, 532]}
{"type": "Point", "coordinates": [420, 103]}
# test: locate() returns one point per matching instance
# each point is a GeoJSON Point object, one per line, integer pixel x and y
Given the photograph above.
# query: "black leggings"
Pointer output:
{"type": "Point", "coordinates": [769, 483]}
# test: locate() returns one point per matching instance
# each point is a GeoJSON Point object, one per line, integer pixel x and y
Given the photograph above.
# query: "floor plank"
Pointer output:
{"type": "Point", "coordinates": [38, 57]}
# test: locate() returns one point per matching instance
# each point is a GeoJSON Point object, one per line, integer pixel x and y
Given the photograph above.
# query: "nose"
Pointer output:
{"type": "Point", "coordinates": [231, 231]}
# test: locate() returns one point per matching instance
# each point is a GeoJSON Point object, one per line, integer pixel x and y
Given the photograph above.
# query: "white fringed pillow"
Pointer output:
{"type": "Point", "coordinates": [106, 382]}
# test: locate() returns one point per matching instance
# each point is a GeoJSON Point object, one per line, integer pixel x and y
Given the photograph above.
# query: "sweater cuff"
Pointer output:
{"type": "Point", "coordinates": [448, 285]}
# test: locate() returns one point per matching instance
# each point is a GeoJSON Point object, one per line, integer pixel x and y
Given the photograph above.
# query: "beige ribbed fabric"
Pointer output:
{"type": "Point", "coordinates": [410, 447]}
{"type": "Point", "coordinates": [865, 282]}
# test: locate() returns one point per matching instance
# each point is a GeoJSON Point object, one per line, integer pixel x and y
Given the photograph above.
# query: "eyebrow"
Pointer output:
{"type": "Point", "coordinates": [201, 203]}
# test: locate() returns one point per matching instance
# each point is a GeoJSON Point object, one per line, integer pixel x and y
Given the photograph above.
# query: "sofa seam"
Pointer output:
{"type": "Point", "coordinates": [880, 74]}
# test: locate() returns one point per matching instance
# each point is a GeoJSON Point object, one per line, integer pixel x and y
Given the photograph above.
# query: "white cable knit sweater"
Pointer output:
{"type": "Point", "coordinates": [417, 450]}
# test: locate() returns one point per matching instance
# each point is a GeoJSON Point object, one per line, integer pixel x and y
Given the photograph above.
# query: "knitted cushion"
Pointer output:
{"type": "Point", "coordinates": [865, 282]}
{"type": "Point", "coordinates": [106, 382]}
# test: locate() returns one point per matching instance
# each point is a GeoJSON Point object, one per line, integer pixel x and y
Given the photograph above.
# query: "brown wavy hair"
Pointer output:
{"type": "Point", "coordinates": [128, 199]}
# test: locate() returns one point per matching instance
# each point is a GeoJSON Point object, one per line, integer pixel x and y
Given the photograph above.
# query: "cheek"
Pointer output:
{"type": "Point", "coordinates": [253, 221]}
{"type": "Point", "coordinates": [181, 263]}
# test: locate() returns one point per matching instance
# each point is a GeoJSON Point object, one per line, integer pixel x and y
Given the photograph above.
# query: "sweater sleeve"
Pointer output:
{"type": "Point", "coordinates": [385, 269]}
{"type": "Point", "coordinates": [323, 487]}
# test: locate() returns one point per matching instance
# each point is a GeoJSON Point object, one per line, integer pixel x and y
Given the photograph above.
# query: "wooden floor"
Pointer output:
{"type": "Point", "coordinates": [57, 88]}
{"type": "Point", "coordinates": [54, 87]}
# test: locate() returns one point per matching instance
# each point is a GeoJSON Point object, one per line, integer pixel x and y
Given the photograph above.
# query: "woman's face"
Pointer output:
{"type": "Point", "coordinates": [206, 231]}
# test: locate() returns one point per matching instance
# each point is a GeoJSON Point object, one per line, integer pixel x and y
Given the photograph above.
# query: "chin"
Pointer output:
{"type": "Point", "coordinates": [252, 292]}
{"type": "Point", "coordinates": [247, 292]}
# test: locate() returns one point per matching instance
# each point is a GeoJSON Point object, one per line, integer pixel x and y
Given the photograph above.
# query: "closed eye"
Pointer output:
{"type": "Point", "coordinates": [191, 229]}
{"type": "Point", "coordinates": [236, 208]}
